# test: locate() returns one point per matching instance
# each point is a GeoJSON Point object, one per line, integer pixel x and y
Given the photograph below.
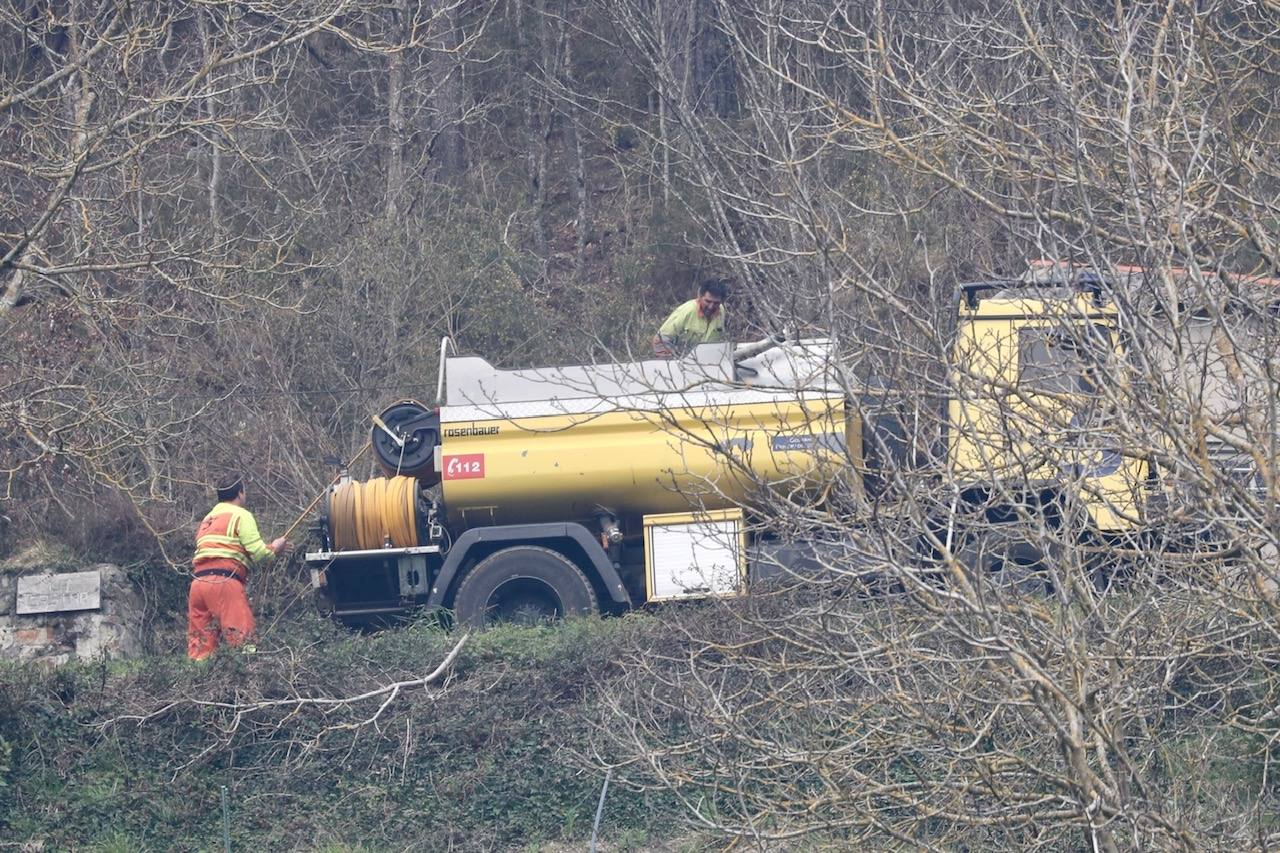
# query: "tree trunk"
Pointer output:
{"type": "Point", "coordinates": [13, 289]}
{"type": "Point", "coordinates": [663, 142]}
{"type": "Point", "coordinates": [574, 119]}
{"type": "Point", "coordinates": [395, 111]}
{"type": "Point", "coordinates": [213, 188]}
{"type": "Point", "coordinates": [446, 66]}
{"type": "Point", "coordinates": [536, 124]}
{"type": "Point", "coordinates": [690, 53]}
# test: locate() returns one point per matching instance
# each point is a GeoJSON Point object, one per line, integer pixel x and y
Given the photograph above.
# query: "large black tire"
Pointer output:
{"type": "Point", "coordinates": [997, 560]}
{"type": "Point", "coordinates": [523, 584]}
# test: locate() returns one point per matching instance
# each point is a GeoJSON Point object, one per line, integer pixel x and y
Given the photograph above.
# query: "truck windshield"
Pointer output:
{"type": "Point", "coordinates": [1062, 360]}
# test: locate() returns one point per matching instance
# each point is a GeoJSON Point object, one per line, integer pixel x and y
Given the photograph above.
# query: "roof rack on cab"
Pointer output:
{"type": "Point", "coordinates": [971, 291]}
{"type": "Point", "coordinates": [1082, 279]}
{"type": "Point", "coordinates": [1044, 280]}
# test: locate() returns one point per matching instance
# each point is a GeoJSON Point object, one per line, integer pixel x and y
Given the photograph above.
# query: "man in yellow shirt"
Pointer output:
{"type": "Point", "coordinates": [698, 321]}
{"type": "Point", "coordinates": [227, 543]}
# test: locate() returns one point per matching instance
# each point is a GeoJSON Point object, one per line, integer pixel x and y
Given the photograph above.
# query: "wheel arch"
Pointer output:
{"type": "Point", "coordinates": [570, 539]}
{"type": "Point", "coordinates": [1000, 505]}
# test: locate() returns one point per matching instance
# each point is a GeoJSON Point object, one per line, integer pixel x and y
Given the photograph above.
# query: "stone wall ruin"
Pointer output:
{"type": "Point", "coordinates": [50, 615]}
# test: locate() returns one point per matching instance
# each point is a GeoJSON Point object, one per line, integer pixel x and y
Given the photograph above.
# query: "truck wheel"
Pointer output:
{"type": "Point", "coordinates": [997, 561]}
{"type": "Point", "coordinates": [525, 585]}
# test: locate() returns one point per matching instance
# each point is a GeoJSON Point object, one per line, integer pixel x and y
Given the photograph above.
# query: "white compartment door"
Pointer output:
{"type": "Point", "coordinates": [694, 559]}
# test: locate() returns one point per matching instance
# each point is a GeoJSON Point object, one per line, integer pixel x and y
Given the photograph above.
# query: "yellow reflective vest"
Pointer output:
{"type": "Point", "coordinates": [685, 327]}
{"type": "Point", "coordinates": [228, 538]}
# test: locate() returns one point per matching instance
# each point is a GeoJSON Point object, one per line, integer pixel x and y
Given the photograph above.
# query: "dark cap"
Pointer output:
{"type": "Point", "coordinates": [228, 486]}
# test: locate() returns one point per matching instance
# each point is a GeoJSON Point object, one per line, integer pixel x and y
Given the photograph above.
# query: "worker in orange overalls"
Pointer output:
{"type": "Point", "coordinates": [227, 542]}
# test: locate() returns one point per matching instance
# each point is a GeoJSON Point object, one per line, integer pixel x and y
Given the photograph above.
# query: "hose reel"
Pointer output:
{"type": "Point", "coordinates": [374, 514]}
{"type": "Point", "coordinates": [404, 438]}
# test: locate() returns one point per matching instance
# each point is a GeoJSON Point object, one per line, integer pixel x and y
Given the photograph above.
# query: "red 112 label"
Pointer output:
{"type": "Point", "coordinates": [464, 466]}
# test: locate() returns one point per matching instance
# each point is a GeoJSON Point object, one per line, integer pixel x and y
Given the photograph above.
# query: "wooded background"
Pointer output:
{"type": "Point", "coordinates": [232, 230]}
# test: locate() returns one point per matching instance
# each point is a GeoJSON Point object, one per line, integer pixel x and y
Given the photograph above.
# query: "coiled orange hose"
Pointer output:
{"type": "Point", "coordinates": [368, 515]}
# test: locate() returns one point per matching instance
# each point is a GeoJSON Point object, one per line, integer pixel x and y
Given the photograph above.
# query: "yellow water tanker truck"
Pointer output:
{"type": "Point", "coordinates": [541, 493]}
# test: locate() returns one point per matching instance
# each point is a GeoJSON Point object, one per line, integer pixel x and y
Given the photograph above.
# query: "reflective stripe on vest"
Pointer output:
{"type": "Point", "coordinates": [217, 542]}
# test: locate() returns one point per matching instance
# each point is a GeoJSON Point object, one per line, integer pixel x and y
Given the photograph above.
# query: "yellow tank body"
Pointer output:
{"type": "Point", "coordinates": [562, 467]}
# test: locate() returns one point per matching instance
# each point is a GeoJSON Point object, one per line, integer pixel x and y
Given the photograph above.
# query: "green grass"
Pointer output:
{"type": "Point", "coordinates": [487, 762]}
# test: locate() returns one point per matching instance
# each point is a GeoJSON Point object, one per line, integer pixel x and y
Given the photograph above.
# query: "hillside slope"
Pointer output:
{"type": "Point", "coordinates": [498, 755]}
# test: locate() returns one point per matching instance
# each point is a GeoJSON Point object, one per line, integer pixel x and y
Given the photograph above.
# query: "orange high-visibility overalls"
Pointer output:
{"type": "Point", "coordinates": [227, 541]}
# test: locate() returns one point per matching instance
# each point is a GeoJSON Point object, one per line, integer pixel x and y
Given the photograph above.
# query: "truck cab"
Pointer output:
{"type": "Point", "coordinates": [1032, 414]}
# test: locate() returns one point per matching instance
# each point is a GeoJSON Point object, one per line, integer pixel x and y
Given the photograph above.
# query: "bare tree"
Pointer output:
{"type": "Point", "coordinates": [173, 173]}
{"type": "Point", "coordinates": [1000, 646]}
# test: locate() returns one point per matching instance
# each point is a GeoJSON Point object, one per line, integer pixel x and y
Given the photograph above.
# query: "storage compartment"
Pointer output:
{"type": "Point", "coordinates": [694, 555]}
{"type": "Point", "coordinates": [374, 582]}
